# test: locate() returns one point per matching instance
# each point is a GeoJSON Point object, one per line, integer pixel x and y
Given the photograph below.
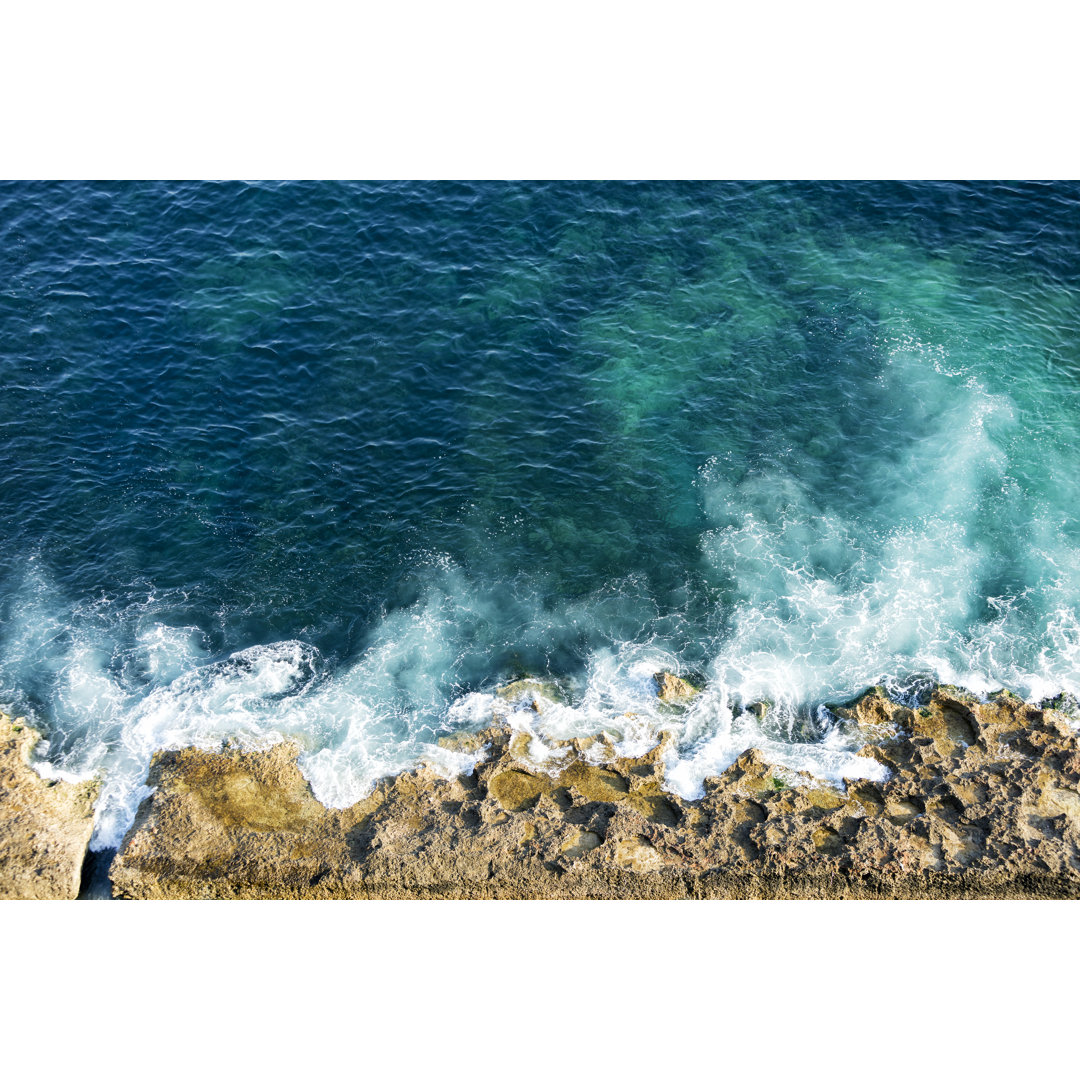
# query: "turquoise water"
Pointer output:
{"type": "Point", "coordinates": [331, 461]}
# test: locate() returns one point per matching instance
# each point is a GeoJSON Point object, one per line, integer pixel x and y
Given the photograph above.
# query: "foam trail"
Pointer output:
{"type": "Point", "coordinates": [827, 604]}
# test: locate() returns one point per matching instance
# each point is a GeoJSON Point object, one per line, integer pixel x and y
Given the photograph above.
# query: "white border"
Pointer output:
{"type": "Point", "coordinates": [583, 89]}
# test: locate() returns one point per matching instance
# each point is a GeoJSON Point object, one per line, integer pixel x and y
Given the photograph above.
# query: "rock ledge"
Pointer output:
{"type": "Point", "coordinates": [982, 802]}
{"type": "Point", "coordinates": [45, 825]}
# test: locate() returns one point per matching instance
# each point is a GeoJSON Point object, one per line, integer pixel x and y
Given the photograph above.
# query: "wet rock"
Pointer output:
{"type": "Point", "coordinates": [875, 714]}
{"type": "Point", "coordinates": [674, 690]}
{"type": "Point", "coordinates": [1063, 703]}
{"type": "Point", "coordinates": [45, 825]}
{"type": "Point", "coordinates": [534, 693]}
{"type": "Point", "coordinates": [982, 800]}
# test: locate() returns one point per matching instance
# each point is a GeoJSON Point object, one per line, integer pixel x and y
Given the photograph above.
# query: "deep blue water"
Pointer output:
{"type": "Point", "coordinates": [330, 461]}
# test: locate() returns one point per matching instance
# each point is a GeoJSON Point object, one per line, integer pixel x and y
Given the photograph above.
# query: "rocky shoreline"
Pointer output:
{"type": "Point", "coordinates": [45, 825]}
{"type": "Point", "coordinates": [981, 801]}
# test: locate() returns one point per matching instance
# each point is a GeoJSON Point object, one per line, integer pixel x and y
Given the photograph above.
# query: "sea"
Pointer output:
{"type": "Point", "coordinates": [331, 462]}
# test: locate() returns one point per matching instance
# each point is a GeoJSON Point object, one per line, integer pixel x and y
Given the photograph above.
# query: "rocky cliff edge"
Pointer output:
{"type": "Point", "coordinates": [982, 801]}
{"type": "Point", "coordinates": [45, 824]}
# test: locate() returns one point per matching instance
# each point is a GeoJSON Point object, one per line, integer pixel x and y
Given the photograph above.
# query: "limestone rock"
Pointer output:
{"type": "Point", "coordinates": [983, 801]}
{"type": "Point", "coordinates": [875, 714]}
{"type": "Point", "coordinates": [45, 825]}
{"type": "Point", "coordinates": [536, 693]}
{"type": "Point", "coordinates": [674, 690]}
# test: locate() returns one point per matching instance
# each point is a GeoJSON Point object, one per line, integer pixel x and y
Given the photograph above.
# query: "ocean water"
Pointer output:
{"type": "Point", "coordinates": [330, 462]}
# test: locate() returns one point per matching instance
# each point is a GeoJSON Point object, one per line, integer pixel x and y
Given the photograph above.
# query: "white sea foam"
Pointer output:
{"type": "Point", "coordinates": [451, 763]}
{"type": "Point", "coordinates": [831, 760]}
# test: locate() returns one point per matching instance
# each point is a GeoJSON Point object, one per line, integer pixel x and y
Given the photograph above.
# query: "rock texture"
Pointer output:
{"type": "Point", "coordinates": [45, 825]}
{"type": "Point", "coordinates": [674, 690]}
{"type": "Point", "coordinates": [982, 802]}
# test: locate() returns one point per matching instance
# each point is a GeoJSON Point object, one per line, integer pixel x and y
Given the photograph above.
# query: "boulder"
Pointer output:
{"type": "Point", "coordinates": [45, 825]}
{"type": "Point", "coordinates": [534, 693]}
{"type": "Point", "coordinates": [673, 689]}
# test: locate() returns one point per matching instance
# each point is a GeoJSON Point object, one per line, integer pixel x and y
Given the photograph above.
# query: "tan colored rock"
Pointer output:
{"type": "Point", "coordinates": [673, 690]}
{"type": "Point", "coordinates": [983, 802]}
{"type": "Point", "coordinates": [536, 693]}
{"type": "Point", "coordinates": [875, 714]}
{"type": "Point", "coordinates": [45, 825]}
{"type": "Point", "coordinates": [463, 742]}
